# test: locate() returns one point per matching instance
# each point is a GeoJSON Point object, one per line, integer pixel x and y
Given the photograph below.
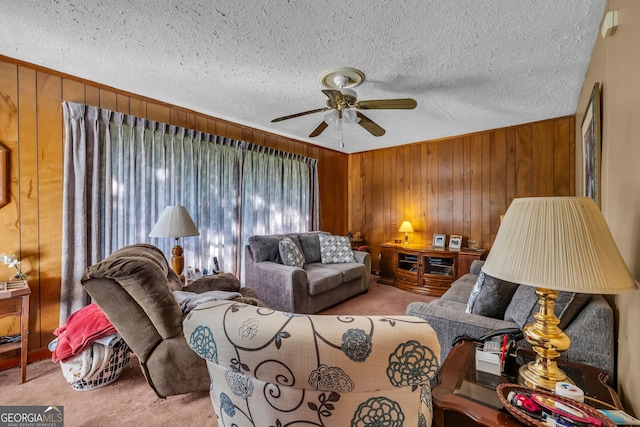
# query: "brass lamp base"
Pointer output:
{"type": "Point", "coordinates": [177, 260]}
{"type": "Point", "coordinates": [548, 342]}
{"type": "Point", "coordinates": [406, 238]}
{"type": "Point", "coordinates": [538, 375]}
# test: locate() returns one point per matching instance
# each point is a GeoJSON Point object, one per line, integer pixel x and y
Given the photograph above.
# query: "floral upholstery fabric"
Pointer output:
{"type": "Point", "coordinates": [273, 368]}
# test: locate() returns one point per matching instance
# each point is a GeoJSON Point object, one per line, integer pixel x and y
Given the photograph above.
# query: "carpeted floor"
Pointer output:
{"type": "Point", "coordinates": [130, 401]}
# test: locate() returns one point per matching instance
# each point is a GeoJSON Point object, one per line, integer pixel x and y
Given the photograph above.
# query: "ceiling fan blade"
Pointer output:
{"type": "Point", "coordinates": [335, 96]}
{"type": "Point", "coordinates": [318, 130]}
{"type": "Point", "coordinates": [369, 125]}
{"type": "Point", "coordinates": [387, 104]}
{"type": "Point", "coordinates": [304, 113]}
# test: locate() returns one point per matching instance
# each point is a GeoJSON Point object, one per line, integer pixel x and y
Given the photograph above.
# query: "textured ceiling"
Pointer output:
{"type": "Point", "coordinates": [471, 65]}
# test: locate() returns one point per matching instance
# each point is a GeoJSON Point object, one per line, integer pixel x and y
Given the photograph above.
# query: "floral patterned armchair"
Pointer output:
{"type": "Point", "coordinates": [273, 368]}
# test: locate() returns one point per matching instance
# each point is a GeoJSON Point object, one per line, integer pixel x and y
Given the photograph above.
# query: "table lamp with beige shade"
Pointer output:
{"type": "Point", "coordinates": [555, 244]}
{"type": "Point", "coordinates": [175, 222]}
{"type": "Point", "coordinates": [406, 228]}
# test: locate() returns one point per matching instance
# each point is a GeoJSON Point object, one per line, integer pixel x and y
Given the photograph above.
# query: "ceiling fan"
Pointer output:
{"type": "Point", "coordinates": [343, 102]}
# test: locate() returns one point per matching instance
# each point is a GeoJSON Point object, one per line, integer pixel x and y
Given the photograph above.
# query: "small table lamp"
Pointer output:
{"type": "Point", "coordinates": [555, 244]}
{"type": "Point", "coordinates": [406, 228]}
{"type": "Point", "coordinates": [175, 222]}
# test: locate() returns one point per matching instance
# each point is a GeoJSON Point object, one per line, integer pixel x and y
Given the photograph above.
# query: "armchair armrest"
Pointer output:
{"type": "Point", "coordinates": [449, 320]}
{"type": "Point", "coordinates": [217, 282]}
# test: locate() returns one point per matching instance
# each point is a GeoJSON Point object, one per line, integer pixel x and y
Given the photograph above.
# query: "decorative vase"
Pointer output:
{"type": "Point", "coordinates": [19, 276]}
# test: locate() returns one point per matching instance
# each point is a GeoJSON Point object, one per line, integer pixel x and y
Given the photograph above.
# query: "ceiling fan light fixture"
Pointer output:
{"type": "Point", "coordinates": [331, 117]}
{"type": "Point", "coordinates": [350, 116]}
{"type": "Point", "coordinates": [342, 103]}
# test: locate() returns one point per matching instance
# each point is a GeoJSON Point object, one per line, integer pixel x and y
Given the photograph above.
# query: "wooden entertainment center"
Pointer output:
{"type": "Point", "coordinates": [424, 269]}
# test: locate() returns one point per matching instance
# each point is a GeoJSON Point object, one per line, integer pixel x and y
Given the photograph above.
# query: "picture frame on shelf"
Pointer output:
{"type": "Point", "coordinates": [455, 241]}
{"type": "Point", "coordinates": [591, 132]}
{"type": "Point", "coordinates": [439, 240]}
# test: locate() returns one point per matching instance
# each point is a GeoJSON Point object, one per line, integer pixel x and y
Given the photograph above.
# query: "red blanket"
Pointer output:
{"type": "Point", "coordinates": [82, 328]}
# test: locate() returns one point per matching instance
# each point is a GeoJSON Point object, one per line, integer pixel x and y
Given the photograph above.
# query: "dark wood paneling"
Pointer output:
{"type": "Point", "coordinates": [32, 129]}
{"type": "Point", "coordinates": [10, 213]}
{"type": "Point", "coordinates": [49, 178]}
{"type": "Point", "coordinates": [459, 185]}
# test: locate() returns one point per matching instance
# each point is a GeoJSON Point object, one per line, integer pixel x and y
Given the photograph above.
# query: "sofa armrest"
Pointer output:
{"type": "Point", "coordinates": [364, 258]}
{"type": "Point", "coordinates": [276, 284]}
{"type": "Point", "coordinates": [476, 266]}
{"type": "Point", "coordinates": [449, 320]}
{"type": "Point", "coordinates": [592, 336]}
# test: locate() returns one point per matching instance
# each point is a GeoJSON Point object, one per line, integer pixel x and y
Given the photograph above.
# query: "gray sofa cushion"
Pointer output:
{"type": "Point", "coordinates": [267, 248]}
{"type": "Point", "coordinates": [524, 305]}
{"type": "Point", "coordinates": [311, 245]}
{"type": "Point", "coordinates": [460, 289]}
{"type": "Point", "coordinates": [494, 298]}
{"type": "Point", "coordinates": [348, 271]}
{"type": "Point", "coordinates": [322, 279]}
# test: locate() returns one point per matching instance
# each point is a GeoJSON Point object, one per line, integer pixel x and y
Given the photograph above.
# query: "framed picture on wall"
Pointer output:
{"type": "Point", "coordinates": [591, 131]}
{"type": "Point", "coordinates": [439, 240]}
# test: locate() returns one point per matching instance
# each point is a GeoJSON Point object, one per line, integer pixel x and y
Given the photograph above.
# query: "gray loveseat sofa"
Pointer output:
{"type": "Point", "coordinates": [307, 289]}
{"type": "Point", "coordinates": [586, 319]}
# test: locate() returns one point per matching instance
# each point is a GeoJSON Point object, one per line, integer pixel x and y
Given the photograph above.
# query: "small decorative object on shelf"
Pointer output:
{"type": "Point", "coordinates": [406, 228]}
{"type": "Point", "coordinates": [455, 241]}
{"type": "Point", "coordinates": [439, 240]}
{"type": "Point", "coordinates": [12, 261]}
{"type": "Point", "coordinates": [13, 284]}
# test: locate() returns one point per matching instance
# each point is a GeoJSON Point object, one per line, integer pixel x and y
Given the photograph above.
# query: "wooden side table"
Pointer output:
{"type": "Point", "coordinates": [15, 302]}
{"type": "Point", "coordinates": [460, 399]}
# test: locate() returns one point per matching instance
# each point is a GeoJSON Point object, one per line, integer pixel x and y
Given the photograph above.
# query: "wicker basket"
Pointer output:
{"type": "Point", "coordinates": [504, 390]}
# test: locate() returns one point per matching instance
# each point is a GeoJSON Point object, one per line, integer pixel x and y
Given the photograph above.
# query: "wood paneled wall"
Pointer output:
{"type": "Point", "coordinates": [458, 185]}
{"type": "Point", "coordinates": [31, 127]}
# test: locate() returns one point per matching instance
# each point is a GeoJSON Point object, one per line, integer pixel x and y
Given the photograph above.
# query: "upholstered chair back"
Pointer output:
{"type": "Point", "coordinates": [272, 368]}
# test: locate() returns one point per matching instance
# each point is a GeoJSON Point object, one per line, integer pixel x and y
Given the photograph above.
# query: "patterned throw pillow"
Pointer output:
{"type": "Point", "coordinates": [335, 249]}
{"type": "Point", "coordinates": [475, 292]}
{"type": "Point", "coordinates": [290, 253]}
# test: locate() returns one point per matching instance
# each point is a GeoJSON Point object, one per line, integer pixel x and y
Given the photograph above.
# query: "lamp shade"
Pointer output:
{"type": "Point", "coordinates": [559, 243]}
{"type": "Point", "coordinates": [174, 222]}
{"type": "Point", "coordinates": [406, 227]}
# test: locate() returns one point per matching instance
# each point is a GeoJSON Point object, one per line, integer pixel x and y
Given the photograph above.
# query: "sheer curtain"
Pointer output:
{"type": "Point", "coordinates": [120, 172]}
